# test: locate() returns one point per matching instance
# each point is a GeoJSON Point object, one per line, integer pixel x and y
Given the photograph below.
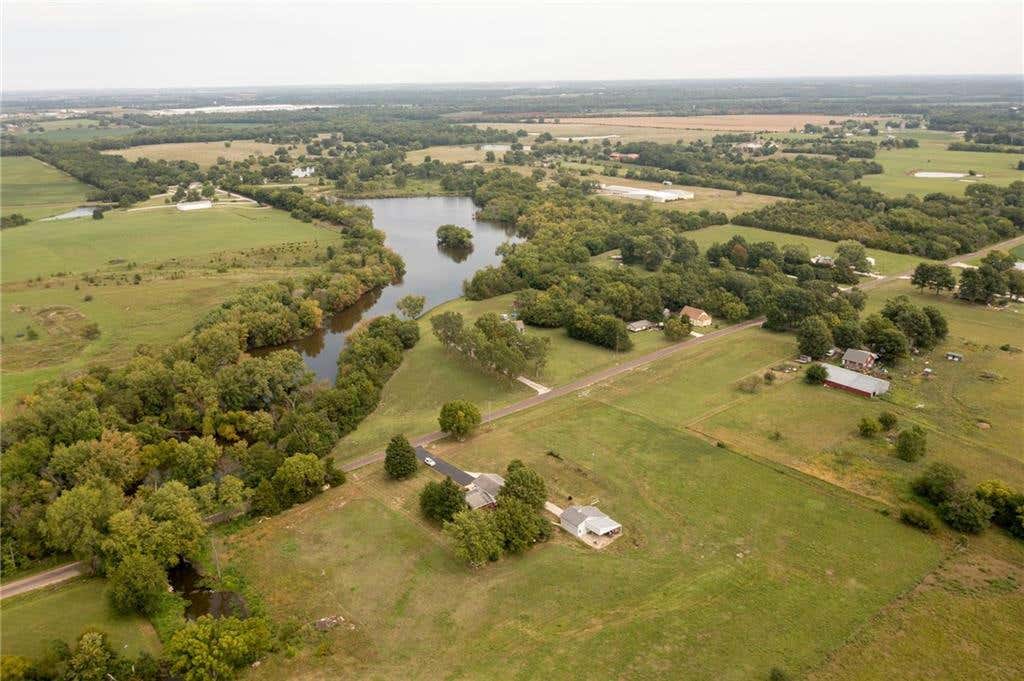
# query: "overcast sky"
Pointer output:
{"type": "Point", "coordinates": [54, 44]}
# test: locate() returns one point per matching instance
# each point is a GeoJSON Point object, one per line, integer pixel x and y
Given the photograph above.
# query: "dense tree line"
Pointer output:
{"type": "Point", "coordinates": [936, 226]}
{"type": "Point", "coordinates": [992, 148]}
{"type": "Point", "coordinates": [831, 147]}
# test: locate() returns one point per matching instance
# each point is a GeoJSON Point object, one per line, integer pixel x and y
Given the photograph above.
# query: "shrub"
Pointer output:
{"type": "Point", "coordinates": [750, 384]}
{"type": "Point", "coordinates": [919, 518]}
{"type": "Point", "coordinates": [91, 331]}
{"type": "Point", "coordinates": [965, 512]}
{"type": "Point", "coordinates": [399, 458]}
{"type": "Point", "coordinates": [1007, 505]}
{"type": "Point", "coordinates": [868, 427]}
{"type": "Point", "coordinates": [938, 482]}
{"type": "Point", "coordinates": [887, 420]}
{"type": "Point", "coordinates": [910, 444]}
{"type": "Point", "coordinates": [815, 374]}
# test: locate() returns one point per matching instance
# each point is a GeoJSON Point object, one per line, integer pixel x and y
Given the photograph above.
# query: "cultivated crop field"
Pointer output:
{"type": "Point", "coordinates": [37, 190]}
{"type": "Point", "coordinates": [33, 620]}
{"type": "Point", "coordinates": [800, 565]}
{"type": "Point", "coordinates": [203, 153]}
{"type": "Point", "coordinates": [76, 130]}
{"type": "Point", "coordinates": [620, 133]}
{"type": "Point", "coordinates": [933, 156]}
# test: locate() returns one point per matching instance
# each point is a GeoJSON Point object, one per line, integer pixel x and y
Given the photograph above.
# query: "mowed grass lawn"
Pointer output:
{"type": "Point", "coordinates": [36, 190]}
{"type": "Point", "coordinates": [430, 376]}
{"type": "Point", "coordinates": [32, 621]}
{"type": "Point", "coordinates": [885, 262]}
{"type": "Point", "coordinates": [933, 156]}
{"type": "Point", "coordinates": [726, 567]}
{"type": "Point", "coordinates": [143, 236]}
{"type": "Point", "coordinates": [203, 153]}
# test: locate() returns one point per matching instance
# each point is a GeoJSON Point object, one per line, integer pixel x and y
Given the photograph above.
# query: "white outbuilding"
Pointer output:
{"type": "Point", "coordinates": [579, 520]}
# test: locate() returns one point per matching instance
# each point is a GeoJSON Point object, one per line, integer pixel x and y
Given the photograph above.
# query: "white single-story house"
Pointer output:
{"type": "Point", "coordinates": [697, 316]}
{"type": "Point", "coordinates": [823, 261]}
{"type": "Point", "coordinates": [641, 325]}
{"type": "Point", "coordinates": [578, 520]}
{"type": "Point", "coordinates": [195, 205]}
{"type": "Point", "coordinates": [303, 172]}
{"type": "Point", "coordinates": [483, 491]}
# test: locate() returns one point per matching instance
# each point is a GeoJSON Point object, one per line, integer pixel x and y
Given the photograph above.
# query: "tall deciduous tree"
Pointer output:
{"type": "Point", "coordinates": [459, 418]}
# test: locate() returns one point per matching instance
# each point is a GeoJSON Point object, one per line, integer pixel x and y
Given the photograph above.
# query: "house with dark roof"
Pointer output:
{"type": "Point", "coordinates": [641, 325]}
{"type": "Point", "coordinates": [483, 491]}
{"type": "Point", "coordinates": [859, 360]}
{"type": "Point", "coordinates": [855, 382]}
{"type": "Point", "coordinates": [579, 520]}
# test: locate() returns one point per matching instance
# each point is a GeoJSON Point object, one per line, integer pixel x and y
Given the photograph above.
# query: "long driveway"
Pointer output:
{"type": "Point", "coordinates": [642, 360]}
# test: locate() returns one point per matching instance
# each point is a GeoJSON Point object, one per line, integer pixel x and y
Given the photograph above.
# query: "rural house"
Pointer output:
{"type": "Point", "coordinates": [578, 520]}
{"type": "Point", "coordinates": [697, 316]}
{"type": "Point", "coordinates": [640, 325]}
{"type": "Point", "coordinates": [483, 491]}
{"type": "Point", "coordinates": [823, 261]}
{"type": "Point", "coordinates": [859, 360]}
{"type": "Point", "coordinates": [303, 172]}
{"type": "Point", "coordinates": [857, 383]}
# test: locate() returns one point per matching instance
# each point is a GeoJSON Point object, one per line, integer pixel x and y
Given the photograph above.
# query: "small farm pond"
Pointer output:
{"type": "Point", "coordinates": [187, 583]}
{"type": "Point", "coordinates": [435, 273]}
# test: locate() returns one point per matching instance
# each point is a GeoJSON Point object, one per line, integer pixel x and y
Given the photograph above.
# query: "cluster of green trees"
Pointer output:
{"type": "Point", "coordinates": [453, 236]}
{"type": "Point", "coordinates": [991, 501]}
{"type": "Point", "coordinates": [899, 327]}
{"type": "Point", "coordinates": [996, 276]}
{"type": "Point", "coordinates": [937, 226]}
{"type": "Point", "coordinates": [842, 149]}
{"type": "Point", "coordinates": [276, 313]}
{"type": "Point", "coordinates": [357, 220]}
{"type": "Point", "coordinates": [495, 344]}
{"type": "Point", "coordinates": [979, 146]}
{"type": "Point", "coordinates": [482, 536]}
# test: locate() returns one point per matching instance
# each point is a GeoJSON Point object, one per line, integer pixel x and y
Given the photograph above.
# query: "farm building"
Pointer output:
{"type": "Point", "coordinates": [823, 261]}
{"type": "Point", "coordinates": [578, 520]}
{"type": "Point", "coordinates": [854, 382]}
{"type": "Point", "coordinates": [656, 195]}
{"type": "Point", "coordinates": [195, 205]}
{"type": "Point", "coordinates": [859, 360]}
{"type": "Point", "coordinates": [697, 316]}
{"type": "Point", "coordinates": [616, 156]}
{"type": "Point", "coordinates": [483, 491]}
{"type": "Point", "coordinates": [954, 357]}
{"type": "Point", "coordinates": [749, 147]}
{"type": "Point", "coordinates": [641, 325]}
{"type": "Point", "coordinates": [303, 172]}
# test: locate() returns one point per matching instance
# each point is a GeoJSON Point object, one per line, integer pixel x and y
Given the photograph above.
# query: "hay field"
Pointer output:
{"type": "Point", "coordinates": [625, 133]}
{"type": "Point", "coordinates": [37, 190]}
{"type": "Point", "coordinates": [724, 200]}
{"type": "Point", "coordinates": [203, 153]}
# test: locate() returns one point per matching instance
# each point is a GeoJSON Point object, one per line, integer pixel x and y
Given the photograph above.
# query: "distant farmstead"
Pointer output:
{"type": "Point", "coordinates": [308, 171]}
{"type": "Point", "coordinates": [823, 261]}
{"type": "Point", "coordinates": [616, 156]}
{"type": "Point", "coordinates": [854, 382]}
{"type": "Point", "coordinates": [697, 316]}
{"type": "Point", "coordinates": [859, 360]}
{"type": "Point", "coordinates": [579, 520]}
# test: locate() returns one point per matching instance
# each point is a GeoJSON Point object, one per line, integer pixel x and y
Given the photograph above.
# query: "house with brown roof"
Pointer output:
{"type": "Point", "coordinates": [859, 360]}
{"type": "Point", "coordinates": [697, 316]}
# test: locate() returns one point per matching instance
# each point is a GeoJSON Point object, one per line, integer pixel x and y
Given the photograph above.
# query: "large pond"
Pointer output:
{"type": "Point", "coordinates": [411, 226]}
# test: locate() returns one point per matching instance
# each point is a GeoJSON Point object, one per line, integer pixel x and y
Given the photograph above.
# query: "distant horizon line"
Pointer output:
{"type": "Point", "coordinates": [480, 84]}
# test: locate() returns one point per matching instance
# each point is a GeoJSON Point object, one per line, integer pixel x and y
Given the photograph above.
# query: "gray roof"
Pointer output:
{"type": "Point", "coordinates": [489, 482]}
{"type": "Point", "coordinates": [640, 325]}
{"type": "Point", "coordinates": [858, 356]}
{"type": "Point", "coordinates": [458, 475]}
{"type": "Point", "coordinates": [477, 498]}
{"type": "Point", "coordinates": [594, 517]}
{"type": "Point", "coordinates": [855, 380]}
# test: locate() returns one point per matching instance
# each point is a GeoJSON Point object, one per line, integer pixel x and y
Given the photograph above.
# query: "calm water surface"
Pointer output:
{"type": "Point", "coordinates": [411, 226]}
